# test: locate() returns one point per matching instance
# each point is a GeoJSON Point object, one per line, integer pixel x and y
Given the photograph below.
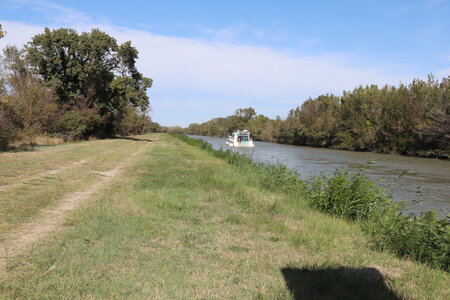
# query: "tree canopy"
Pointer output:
{"type": "Point", "coordinates": [90, 71]}
{"type": "Point", "coordinates": [409, 119]}
{"type": "Point", "coordinates": [72, 86]}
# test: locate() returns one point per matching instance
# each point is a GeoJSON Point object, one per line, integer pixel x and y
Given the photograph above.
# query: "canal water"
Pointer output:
{"type": "Point", "coordinates": [426, 185]}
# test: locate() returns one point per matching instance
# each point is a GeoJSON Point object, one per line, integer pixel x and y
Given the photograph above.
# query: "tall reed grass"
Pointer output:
{"type": "Point", "coordinates": [424, 237]}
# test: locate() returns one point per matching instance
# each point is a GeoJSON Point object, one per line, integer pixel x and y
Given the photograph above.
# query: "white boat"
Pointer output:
{"type": "Point", "coordinates": [240, 139]}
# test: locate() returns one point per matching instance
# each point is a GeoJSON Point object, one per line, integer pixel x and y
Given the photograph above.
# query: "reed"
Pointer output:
{"type": "Point", "coordinates": [424, 238]}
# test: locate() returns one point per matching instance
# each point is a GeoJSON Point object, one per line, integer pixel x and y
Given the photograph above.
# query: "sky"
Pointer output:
{"type": "Point", "coordinates": [209, 58]}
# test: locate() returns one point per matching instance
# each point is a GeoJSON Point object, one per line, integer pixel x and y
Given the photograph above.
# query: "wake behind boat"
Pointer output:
{"type": "Point", "coordinates": [240, 139]}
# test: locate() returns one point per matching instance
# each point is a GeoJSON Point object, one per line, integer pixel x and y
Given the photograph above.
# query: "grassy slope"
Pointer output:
{"type": "Point", "coordinates": [181, 224]}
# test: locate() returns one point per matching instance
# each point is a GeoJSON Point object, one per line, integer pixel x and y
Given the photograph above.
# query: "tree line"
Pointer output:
{"type": "Point", "coordinates": [71, 85]}
{"type": "Point", "coordinates": [408, 119]}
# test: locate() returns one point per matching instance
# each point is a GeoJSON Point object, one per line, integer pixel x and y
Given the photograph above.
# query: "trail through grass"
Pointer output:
{"type": "Point", "coordinates": [40, 178]}
{"type": "Point", "coordinates": [178, 223]}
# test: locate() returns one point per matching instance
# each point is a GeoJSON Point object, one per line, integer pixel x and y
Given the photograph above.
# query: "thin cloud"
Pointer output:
{"type": "Point", "coordinates": [443, 73]}
{"type": "Point", "coordinates": [18, 33]}
{"type": "Point", "coordinates": [233, 34]}
{"type": "Point", "coordinates": [57, 13]}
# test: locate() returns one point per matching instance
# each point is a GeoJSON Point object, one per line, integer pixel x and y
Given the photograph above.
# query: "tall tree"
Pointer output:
{"type": "Point", "coordinates": [90, 71]}
{"type": "Point", "coordinates": [245, 114]}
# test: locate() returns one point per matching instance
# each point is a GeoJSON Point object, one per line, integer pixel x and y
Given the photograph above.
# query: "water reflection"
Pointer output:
{"type": "Point", "coordinates": [427, 180]}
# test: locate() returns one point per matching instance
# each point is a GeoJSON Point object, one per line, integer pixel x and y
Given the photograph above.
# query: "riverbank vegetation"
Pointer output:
{"type": "Point", "coordinates": [177, 222]}
{"type": "Point", "coordinates": [409, 119]}
{"type": "Point", "coordinates": [424, 238]}
{"type": "Point", "coordinates": [64, 86]}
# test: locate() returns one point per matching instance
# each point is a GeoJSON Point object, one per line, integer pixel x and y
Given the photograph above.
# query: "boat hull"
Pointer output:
{"type": "Point", "coordinates": [243, 145]}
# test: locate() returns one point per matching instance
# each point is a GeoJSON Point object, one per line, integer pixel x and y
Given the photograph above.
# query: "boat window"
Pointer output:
{"type": "Point", "coordinates": [244, 138]}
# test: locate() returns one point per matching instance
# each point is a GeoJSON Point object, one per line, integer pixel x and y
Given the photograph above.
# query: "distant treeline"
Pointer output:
{"type": "Point", "coordinates": [409, 119]}
{"type": "Point", "coordinates": [72, 86]}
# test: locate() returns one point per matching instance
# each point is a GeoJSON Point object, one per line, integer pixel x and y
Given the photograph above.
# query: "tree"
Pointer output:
{"type": "Point", "coordinates": [31, 101]}
{"type": "Point", "coordinates": [90, 71]}
{"type": "Point", "coordinates": [2, 33]}
{"type": "Point", "coordinates": [245, 114]}
{"type": "Point", "coordinates": [256, 125]}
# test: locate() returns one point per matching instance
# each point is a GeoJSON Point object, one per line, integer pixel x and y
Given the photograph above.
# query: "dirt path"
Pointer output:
{"type": "Point", "coordinates": [50, 219]}
{"type": "Point", "coordinates": [59, 170]}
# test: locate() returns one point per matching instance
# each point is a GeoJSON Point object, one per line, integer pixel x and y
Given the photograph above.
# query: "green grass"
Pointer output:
{"type": "Point", "coordinates": [20, 165]}
{"type": "Point", "coordinates": [424, 238]}
{"type": "Point", "coordinates": [28, 187]}
{"type": "Point", "coordinates": [179, 223]}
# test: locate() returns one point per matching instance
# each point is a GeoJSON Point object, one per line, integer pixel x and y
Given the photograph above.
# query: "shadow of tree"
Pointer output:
{"type": "Point", "coordinates": [21, 148]}
{"type": "Point", "coordinates": [336, 283]}
{"type": "Point", "coordinates": [132, 139]}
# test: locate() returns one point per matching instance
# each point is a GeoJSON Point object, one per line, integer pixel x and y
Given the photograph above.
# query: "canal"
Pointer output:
{"type": "Point", "coordinates": [426, 185]}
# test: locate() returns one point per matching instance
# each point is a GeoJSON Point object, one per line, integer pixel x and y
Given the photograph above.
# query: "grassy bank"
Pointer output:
{"type": "Point", "coordinates": [424, 238]}
{"type": "Point", "coordinates": [180, 223]}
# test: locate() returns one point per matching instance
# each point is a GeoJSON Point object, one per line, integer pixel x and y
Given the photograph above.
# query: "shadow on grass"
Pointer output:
{"type": "Point", "coordinates": [336, 283]}
{"type": "Point", "coordinates": [33, 147]}
{"type": "Point", "coordinates": [21, 148]}
{"type": "Point", "coordinates": [132, 139]}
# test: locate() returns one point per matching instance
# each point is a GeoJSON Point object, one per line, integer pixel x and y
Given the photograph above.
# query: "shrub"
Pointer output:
{"type": "Point", "coordinates": [134, 121]}
{"type": "Point", "coordinates": [34, 106]}
{"type": "Point", "coordinates": [351, 196]}
{"type": "Point", "coordinates": [79, 123]}
{"type": "Point", "coordinates": [424, 238]}
{"type": "Point", "coordinates": [8, 125]}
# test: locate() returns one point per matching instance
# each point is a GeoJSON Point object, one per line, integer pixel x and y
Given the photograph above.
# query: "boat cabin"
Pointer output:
{"type": "Point", "coordinates": [240, 139]}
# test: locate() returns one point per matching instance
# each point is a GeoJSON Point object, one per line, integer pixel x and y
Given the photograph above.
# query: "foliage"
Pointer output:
{"type": "Point", "coordinates": [72, 85]}
{"type": "Point", "coordinates": [351, 196]}
{"type": "Point", "coordinates": [262, 128]}
{"type": "Point", "coordinates": [2, 32]}
{"type": "Point", "coordinates": [133, 121]}
{"type": "Point", "coordinates": [90, 71]}
{"type": "Point", "coordinates": [425, 238]}
{"type": "Point", "coordinates": [78, 123]}
{"type": "Point", "coordinates": [409, 119]}
{"type": "Point", "coordinates": [8, 124]}
{"type": "Point", "coordinates": [32, 102]}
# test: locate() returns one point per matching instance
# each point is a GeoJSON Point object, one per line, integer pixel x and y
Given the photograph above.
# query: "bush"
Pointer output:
{"type": "Point", "coordinates": [134, 121]}
{"type": "Point", "coordinates": [8, 125]}
{"type": "Point", "coordinates": [79, 123]}
{"type": "Point", "coordinates": [354, 196]}
{"type": "Point", "coordinates": [424, 238]}
{"type": "Point", "coordinates": [34, 106]}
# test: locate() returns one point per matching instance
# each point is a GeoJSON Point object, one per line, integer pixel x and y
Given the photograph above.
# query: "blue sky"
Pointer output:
{"type": "Point", "coordinates": [208, 58]}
